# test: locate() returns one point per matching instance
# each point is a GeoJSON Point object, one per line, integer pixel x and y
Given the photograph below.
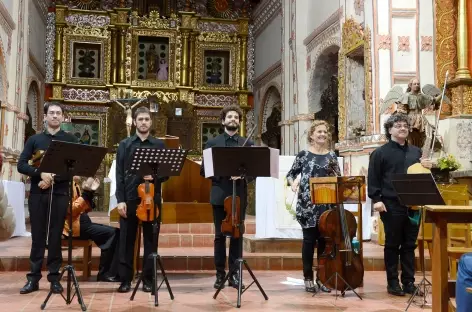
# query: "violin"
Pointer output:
{"type": "Point", "coordinates": [146, 208]}
{"type": "Point", "coordinates": [339, 227]}
{"type": "Point", "coordinates": [36, 159]}
{"type": "Point", "coordinates": [231, 226]}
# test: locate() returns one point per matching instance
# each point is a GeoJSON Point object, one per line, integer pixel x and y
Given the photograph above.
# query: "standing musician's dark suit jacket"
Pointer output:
{"type": "Point", "coordinates": [223, 186]}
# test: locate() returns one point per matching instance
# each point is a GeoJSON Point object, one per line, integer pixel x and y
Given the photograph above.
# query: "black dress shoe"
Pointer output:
{"type": "Point", "coordinates": [108, 279]}
{"type": "Point", "coordinates": [29, 287]}
{"type": "Point", "coordinates": [410, 288]}
{"type": "Point", "coordinates": [219, 281]}
{"type": "Point", "coordinates": [56, 287]}
{"type": "Point", "coordinates": [124, 287]}
{"type": "Point", "coordinates": [322, 287]}
{"type": "Point", "coordinates": [395, 289]}
{"type": "Point", "coordinates": [147, 286]}
{"type": "Point", "coordinates": [233, 281]}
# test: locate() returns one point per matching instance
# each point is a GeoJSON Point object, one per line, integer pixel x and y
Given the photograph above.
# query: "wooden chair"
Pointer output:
{"type": "Point", "coordinates": [86, 244]}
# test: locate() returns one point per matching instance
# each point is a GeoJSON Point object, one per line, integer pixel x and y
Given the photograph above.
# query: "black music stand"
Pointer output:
{"type": "Point", "coordinates": [67, 160]}
{"type": "Point", "coordinates": [159, 163]}
{"type": "Point", "coordinates": [243, 162]}
{"type": "Point", "coordinates": [418, 190]}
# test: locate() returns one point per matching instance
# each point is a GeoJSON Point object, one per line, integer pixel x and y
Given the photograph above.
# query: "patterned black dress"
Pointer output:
{"type": "Point", "coordinates": [311, 165]}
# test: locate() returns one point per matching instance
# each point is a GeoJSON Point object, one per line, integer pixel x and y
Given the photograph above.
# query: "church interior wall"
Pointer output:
{"type": "Point", "coordinates": [268, 46]}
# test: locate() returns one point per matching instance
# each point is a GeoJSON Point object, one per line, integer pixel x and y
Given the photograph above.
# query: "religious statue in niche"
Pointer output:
{"type": "Point", "coordinates": [329, 107]}
{"type": "Point", "coordinates": [128, 108]}
{"type": "Point", "coordinates": [355, 95]}
{"type": "Point", "coordinates": [163, 74]}
{"type": "Point", "coordinates": [151, 60]}
{"type": "Point", "coordinates": [412, 102]}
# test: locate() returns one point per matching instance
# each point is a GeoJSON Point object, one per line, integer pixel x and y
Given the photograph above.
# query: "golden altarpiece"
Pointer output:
{"type": "Point", "coordinates": [191, 66]}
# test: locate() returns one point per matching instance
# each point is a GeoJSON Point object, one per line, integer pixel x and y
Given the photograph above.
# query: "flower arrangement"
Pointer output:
{"type": "Point", "coordinates": [449, 163]}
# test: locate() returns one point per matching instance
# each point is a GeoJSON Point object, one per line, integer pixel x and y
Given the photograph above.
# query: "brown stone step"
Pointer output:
{"type": "Point", "coordinates": [201, 228]}
{"type": "Point", "coordinates": [264, 245]}
{"type": "Point", "coordinates": [201, 259]}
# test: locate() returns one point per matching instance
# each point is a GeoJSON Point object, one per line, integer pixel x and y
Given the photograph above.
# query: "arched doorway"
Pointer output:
{"type": "Point", "coordinates": [271, 117]}
{"type": "Point", "coordinates": [32, 106]}
{"type": "Point", "coordinates": [323, 93]}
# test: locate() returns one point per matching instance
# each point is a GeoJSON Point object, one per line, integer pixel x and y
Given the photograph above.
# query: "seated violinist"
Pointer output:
{"type": "Point", "coordinates": [104, 236]}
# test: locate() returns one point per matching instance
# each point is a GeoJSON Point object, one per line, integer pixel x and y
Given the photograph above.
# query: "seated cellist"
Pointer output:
{"type": "Point", "coordinates": [104, 236]}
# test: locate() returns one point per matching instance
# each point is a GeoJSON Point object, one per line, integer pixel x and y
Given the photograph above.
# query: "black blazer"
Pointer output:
{"type": "Point", "coordinates": [222, 187]}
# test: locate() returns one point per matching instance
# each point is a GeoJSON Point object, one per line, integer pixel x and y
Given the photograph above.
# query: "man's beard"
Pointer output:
{"type": "Point", "coordinates": [142, 131]}
{"type": "Point", "coordinates": [231, 127]}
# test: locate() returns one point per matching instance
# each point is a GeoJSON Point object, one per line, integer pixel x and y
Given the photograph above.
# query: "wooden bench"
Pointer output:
{"type": "Point", "coordinates": [86, 244]}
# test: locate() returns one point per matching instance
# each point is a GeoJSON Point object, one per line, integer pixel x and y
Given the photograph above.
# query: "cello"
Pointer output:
{"type": "Point", "coordinates": [339, 227]}
{"type": "Point", "coordinates": [231, 226]}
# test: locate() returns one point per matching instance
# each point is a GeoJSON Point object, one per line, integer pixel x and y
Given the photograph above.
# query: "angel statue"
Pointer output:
{"type": "Point", "coordinates": [129, 113]}
{"type": "Point", "coordinates": [412, 103]}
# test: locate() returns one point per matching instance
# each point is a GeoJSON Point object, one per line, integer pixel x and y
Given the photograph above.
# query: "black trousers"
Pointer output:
{"type": "Point", "coordinates": [400, 242]}
{"type": "Point", "coordinates": [38, 206]}
{"type": "Point", "coordinates": [311, 238]}
{"type": "Point", "coordinates": [220, 243]}
{"type": "Point", "coordinates": [106, 238]}
{"type": "Point", "coordinates": [128, 230]}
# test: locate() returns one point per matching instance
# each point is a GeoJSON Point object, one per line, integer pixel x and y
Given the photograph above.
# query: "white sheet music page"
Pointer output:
{"type": "Point", "coordinates": [274, 162]}
{"type": "Point", "coordinates": [208, 163]}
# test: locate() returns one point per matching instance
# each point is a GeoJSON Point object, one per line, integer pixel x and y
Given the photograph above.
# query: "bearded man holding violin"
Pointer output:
{"type": "Point", "coordinates": [49, 194]}
{"type": "Point", "coordinates": [222, 187]}
{"type": "Point", "coordinates": [127, 184]}
{"type": "Point", "coordinates": [401, 228]}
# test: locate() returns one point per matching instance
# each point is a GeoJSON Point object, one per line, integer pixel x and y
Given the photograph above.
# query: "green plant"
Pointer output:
{"type": "Point", "coordinates": [448, 162]}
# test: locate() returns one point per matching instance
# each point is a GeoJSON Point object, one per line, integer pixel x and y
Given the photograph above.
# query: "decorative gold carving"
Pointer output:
{"type": "Point", "coordinates": [58, 67]}
{"type": "Point", "coordinates": [154, 21]}
{"type": "Point", "coordinates": [57, 92]}
{"type": "Point", "coordinates": [174, 58]}
{"type": "Point", "coordinates": [217, 37]}
{"type": "Point", "coordinates": [186, 95]}
{"type": "Point", "coordinates": [462, 41]}
{"type": "Point", "coordinates": [97, 116]}
{"type": "Point", "coordinates": [446, 55]}
{"type": "Point", "coordinates": [161, 95]}
{"type": "Point", "coordinates": [234, 66]}
{"type": "Point", "coordinates": [244, 27]}
{"type": "Point", "coordinates": [86, 34]}
{"type": "Point", "coordinates": [60, 14]}
{"type": "Point", "coordinates": [122, 16]}
{"type": "Point", "coordinates": [185, 59]}
{"type": "Point", "coordinates": [353, 37]}
{"type": "Point", "coordinates": [197, 134]}
{"type": "Point", "coordinates": [462, 99]}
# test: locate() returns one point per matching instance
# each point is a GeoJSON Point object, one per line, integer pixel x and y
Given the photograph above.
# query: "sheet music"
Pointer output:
{"type": "Point", "coordinates": [208, 156]}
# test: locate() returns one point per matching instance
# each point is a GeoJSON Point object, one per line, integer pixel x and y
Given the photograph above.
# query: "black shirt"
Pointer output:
{"type": "Point", "coordinates": [231, 141]}
{"type": "Point", "coordinates": [41, 141]}
{"type": "Point", "coordinates": [391, 158]}
{"type": "Point", "coordinates": [127, 182]}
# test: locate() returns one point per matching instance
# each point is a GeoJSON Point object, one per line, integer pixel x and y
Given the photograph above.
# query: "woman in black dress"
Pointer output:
{"type": "Point", "coordinates": [316, 161]}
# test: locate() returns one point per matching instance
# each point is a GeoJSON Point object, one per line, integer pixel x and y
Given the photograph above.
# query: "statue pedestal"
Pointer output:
{"type": "Point", "coordinates": [457, 137]}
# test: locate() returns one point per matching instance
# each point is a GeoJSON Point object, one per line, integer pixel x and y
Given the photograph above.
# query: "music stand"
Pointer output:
{"type": "Point", "coordinates": [418, 190]}
{"type": "Point", "coordinates": [159, 163]}
{"type": "Point", "coordinates": [242, 162]}
{"type": "Point", "coordinates": [68, 160]}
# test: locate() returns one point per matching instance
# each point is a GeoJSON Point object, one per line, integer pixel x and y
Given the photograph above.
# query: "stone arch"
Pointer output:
{"type": "Point", "coordinates": [33, 106]}
{"type": "Point", "coordinates": [269, 117]}
{"type": "Point", "coordinates": [325, 65]}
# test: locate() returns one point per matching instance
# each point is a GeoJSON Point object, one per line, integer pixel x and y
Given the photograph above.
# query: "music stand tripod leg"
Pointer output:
{"type": "Point", "coordinates": [69, 268]}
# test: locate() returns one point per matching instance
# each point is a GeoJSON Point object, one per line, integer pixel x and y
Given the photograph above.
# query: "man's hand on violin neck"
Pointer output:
{"type": "Point", "coordinates": [427, 163]}
{"type": "Point", "coordinates": [47, 177]}
{"type": "Point", "coordinates": [148, 178]}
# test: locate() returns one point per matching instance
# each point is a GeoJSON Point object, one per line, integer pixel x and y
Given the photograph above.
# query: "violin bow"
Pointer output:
{"type": "Point", "coordinates": [250, 134]}
{"type": "Point", "coordinates": [436, 117]}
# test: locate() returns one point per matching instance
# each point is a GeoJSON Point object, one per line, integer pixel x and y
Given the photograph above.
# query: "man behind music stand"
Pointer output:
{"type": "Point", "coordinates": [73, 163]}
{"type": "Point", "coordinates": [158, 163]}
{"type": "Point", "coordinates": [242, 162]}
{"type": "Point", "coordinates": [418, 190]}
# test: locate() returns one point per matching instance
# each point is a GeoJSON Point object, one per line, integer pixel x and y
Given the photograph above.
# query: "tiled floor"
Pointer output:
{"type": "Point", "coordinates": [194, 292]}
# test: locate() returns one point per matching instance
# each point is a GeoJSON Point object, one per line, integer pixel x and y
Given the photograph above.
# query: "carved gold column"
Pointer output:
{"type": "Point", "coordinates": [243, 33]}
{"type": "Point", "coordinates": [60, 24]}
{"type": "Point", "coordinates": [469, 32]}
{"type": "Point", "coordinates": [122, 23]}
{"type": "Point", "coordinates": [191, 60]}
{"type": "Point", "coordinates": [114, 49]}
{"type": "Point", "coordinates": [185, 58]}
{"type": "Point", "coordinates": [446, 37]}
{"type": "Point", "coordinates": [462, 41]}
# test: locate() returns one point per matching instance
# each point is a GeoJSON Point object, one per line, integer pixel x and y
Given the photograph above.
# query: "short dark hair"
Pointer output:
{"type": "Point", "coordinates": [51, 104]}
{"type": "Point", "coordinates": [398, 117]}
{"type": "Point", "coordinates": [141, 110]}
{"type": "Point", "coordinates": [231, 108]}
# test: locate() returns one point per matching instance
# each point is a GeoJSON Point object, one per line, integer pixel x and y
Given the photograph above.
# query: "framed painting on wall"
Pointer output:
{"type": "Point", "coordinates": [86, 131]}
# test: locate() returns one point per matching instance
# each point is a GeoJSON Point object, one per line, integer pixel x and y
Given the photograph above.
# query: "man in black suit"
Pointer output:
{"type": "Point", "coordinates": [222, 187]}
{"type": "Point", "coordinates": [127, 184]}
